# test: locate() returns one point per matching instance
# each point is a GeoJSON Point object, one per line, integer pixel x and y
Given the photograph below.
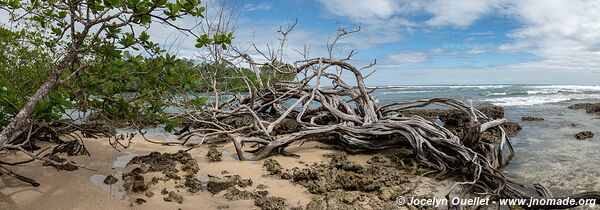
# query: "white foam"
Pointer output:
{"type": "Point", "coordinates": [538, 99]}
{"type": "Point", "coordinates": [496, 94]}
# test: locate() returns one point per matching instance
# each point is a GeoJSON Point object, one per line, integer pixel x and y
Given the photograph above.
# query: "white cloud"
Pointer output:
{"type": "Point", "coordinates": [459, 13]}
{"type": "Point", "coordinates": [257, 7]}
{"type": "Point", "coordinates": [407, 58]}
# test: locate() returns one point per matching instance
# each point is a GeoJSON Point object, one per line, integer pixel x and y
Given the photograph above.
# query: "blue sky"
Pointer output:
{"type": "Point", "coordinates": [423, 42]}
{"type": "Point", "coordinates": [444, 41]}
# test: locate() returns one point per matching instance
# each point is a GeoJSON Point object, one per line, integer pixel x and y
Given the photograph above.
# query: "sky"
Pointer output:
{"type": "Point", "coordinates": [425, 42]}
{"type": "Point", "coordinates": [444, 41]}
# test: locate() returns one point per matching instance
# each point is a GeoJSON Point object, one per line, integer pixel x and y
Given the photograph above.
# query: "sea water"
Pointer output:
{"type": "Point", "coordinates": [546, 151]}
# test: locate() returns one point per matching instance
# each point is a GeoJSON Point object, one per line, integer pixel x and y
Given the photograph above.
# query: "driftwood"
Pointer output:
{"type": "Point", "coordinates": [351, 116]}
{"type": "Point", "coordinates": [67, 135]}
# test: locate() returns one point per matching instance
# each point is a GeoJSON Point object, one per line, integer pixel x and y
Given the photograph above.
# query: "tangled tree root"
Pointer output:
{"type": "Point", "coordinates": [350, 118]}
{"type": "Point", "coordinates": [67, 135]}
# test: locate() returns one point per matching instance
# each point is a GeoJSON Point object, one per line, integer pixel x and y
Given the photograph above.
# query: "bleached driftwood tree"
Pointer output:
{"type": "Point", "coordinates": [326, 108]}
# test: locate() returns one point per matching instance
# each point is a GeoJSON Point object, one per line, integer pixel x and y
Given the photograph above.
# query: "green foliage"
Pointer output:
{"type": "Point", "coordinates": [135, 89]}
{"type": "Point", "coordinates": [23, 60]}
{"type": "Point", "coordinates": [102, 73]}
{"type": "Point", "coordinates": [50, 109]}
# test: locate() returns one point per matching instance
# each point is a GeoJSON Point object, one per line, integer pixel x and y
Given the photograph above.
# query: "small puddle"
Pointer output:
{"type": "Point", "coordinates": [116, 190]}
{"type": "Point", "coordinates": [122, 161]}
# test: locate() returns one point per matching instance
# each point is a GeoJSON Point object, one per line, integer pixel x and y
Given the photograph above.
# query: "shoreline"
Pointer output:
{"type": "Point", "coordinates": [73, 189]}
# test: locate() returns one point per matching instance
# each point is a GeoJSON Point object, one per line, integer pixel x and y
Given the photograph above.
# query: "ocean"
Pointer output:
{"type": "Point", "coordinates": [546, 151]}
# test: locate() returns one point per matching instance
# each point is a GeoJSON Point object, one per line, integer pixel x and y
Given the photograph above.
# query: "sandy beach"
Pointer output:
{"type": "Point", "coordinates": [84, 189]}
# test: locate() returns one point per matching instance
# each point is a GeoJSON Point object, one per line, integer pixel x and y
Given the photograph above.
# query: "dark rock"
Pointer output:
{"type": "Point", "coordinates": [340, 161]}
{"type": "Point", "coordinates": [343, 184]}
{"type": "Point", "coordinates": [110, 179]}
{"type": "Point", "coordinates": [493, 111]}
{"type": "Point", "coordinates": [590, 108]}
{"type": "Point", "coordinates": [262, 193]}
{"type": "Point", "coordinates": [378, 158]}
{"type": "Point", "coordinates": [511, 128]}
{"type": "Point", "coordinates": [155, 161]}
{"type": "Point", "coordinates": [174, 197]}
{"type": "Point", "coordinates": [584, 135]}
{"type": "Point", "coordinates": [244, 182]}
{"type": "Point", "coordinates": [223, 206]}
{"type": "Point", "coordinates": [135, 183]}
{"type": "Point", "coordinates": [164, 191]}
{"type": "Point", "coordinates": [216, 185]}
{"type": "Point", "coordinates": [261, 187]}
{"type": "Point", "coordinates": [190, 167]}
{"type": "Point", "coordinates": [213, 154]}
{"type": "Point", "coordinates": [140, 201]}
{"type": "Point", "coordinates": [529, 118]}
{"type": "Point", "coordinates": [286, 126]}
{"type": "Point", "coordinates": [149, 194]}
{"type": "Point", "coordinates": [272, 166]}
{"type": "Point", "coordinates": [270, 203]}
{"type": "Point", "coordinates": [236, 194]}
{"type": "Point", "coordinates": [458, 122]}
{"type": "Point", "coordinates": [194, 185]}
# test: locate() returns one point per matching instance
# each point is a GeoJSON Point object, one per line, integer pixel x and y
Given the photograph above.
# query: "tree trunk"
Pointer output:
{"type": "Point", "coordinates": [21, 118]}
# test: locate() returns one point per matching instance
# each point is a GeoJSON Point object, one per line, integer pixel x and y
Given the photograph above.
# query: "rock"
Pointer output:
{"type": "Point", "coordinates": [272, 166]}
{"type": "Point", "coordinates": [287, 126]}
{"type": "Point", "coordinates": [458, 122]}
{"type": "Point", "coordinates": [223, 206]}
{"type": "Point", "coordinates": [216, 185]}
{"type": "Point", "coordinates": [164, 191]}
{"type": "Point", "coordinates": [270, 203]}
{"type": "Point", "coordinates": [261, 186]}
{"type": "Point", "coordinates": [349, 197]}
{"type": "Point", "coordinates": [511, 128]}
{"type": "Point", "coordinates": [262, 193]}
{"type": "Point", "coordinates": [149, 194]}
{"type": "Point", "coordinates": [386, 193]}
{"type": "Point", "coordinates": [190, 167]}
{"type": "Point", "coordinates": [134, 183]}
{"type": "Point", "coordinates": [174, 197]}
{"type": "Point", "coordinates": [378, 158]}
{"type": "Point", "coordinates": [213, 154]}
{"type": "Point", "coordinates": [110, 179]}
{"type": "Point", "coordinates": [140, 201]}
{"type": "Point", "coordinates": [340, 161]}
{"type": "Point", "coordinates": [236, 194]}
{"type": "Point", "coordinates": [493, 111]}
{"type": "Point", "coordinates": [194, 185]}
{"type": "Point", "coordinates": [316, 203]}
{"type": "Point", "coordinates": [584, 135]}
{"type": "Point", "coordinates": [590, 108]}
{"type": "Point", "coordinates": [244, 182]}
{"type": "Point", "coordinates": [529, 118]}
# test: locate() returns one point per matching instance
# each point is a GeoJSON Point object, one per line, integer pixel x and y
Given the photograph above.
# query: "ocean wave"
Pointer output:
{"type": "Point", "coordinates": [406, 92]}
{"type": "Point", "coordinates": [575, 88]}
{"type": "Point", "coordinates": [483, 87]}
{"type": "Point", "coordinates": [538, 99]}
{"type": "Point", "coordinates": [495, 94]}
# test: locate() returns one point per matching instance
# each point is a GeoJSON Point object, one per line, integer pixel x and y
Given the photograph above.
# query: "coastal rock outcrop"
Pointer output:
{"type": "Point", "coordinates": [584, 135]}
{"type": "Point", "coordinates": [531, 118]}
{"type": "Point", "coordinates": [590, 108]}
{"type": "Point", "coordinates": [458, 122]}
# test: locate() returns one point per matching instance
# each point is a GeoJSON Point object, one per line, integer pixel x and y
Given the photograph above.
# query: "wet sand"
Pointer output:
{"type": "Point", "coordinates": [83, 189]}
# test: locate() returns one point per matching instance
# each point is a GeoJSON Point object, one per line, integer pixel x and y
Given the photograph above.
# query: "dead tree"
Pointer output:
{"type": "Point", "coordinates": [326, 107]}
